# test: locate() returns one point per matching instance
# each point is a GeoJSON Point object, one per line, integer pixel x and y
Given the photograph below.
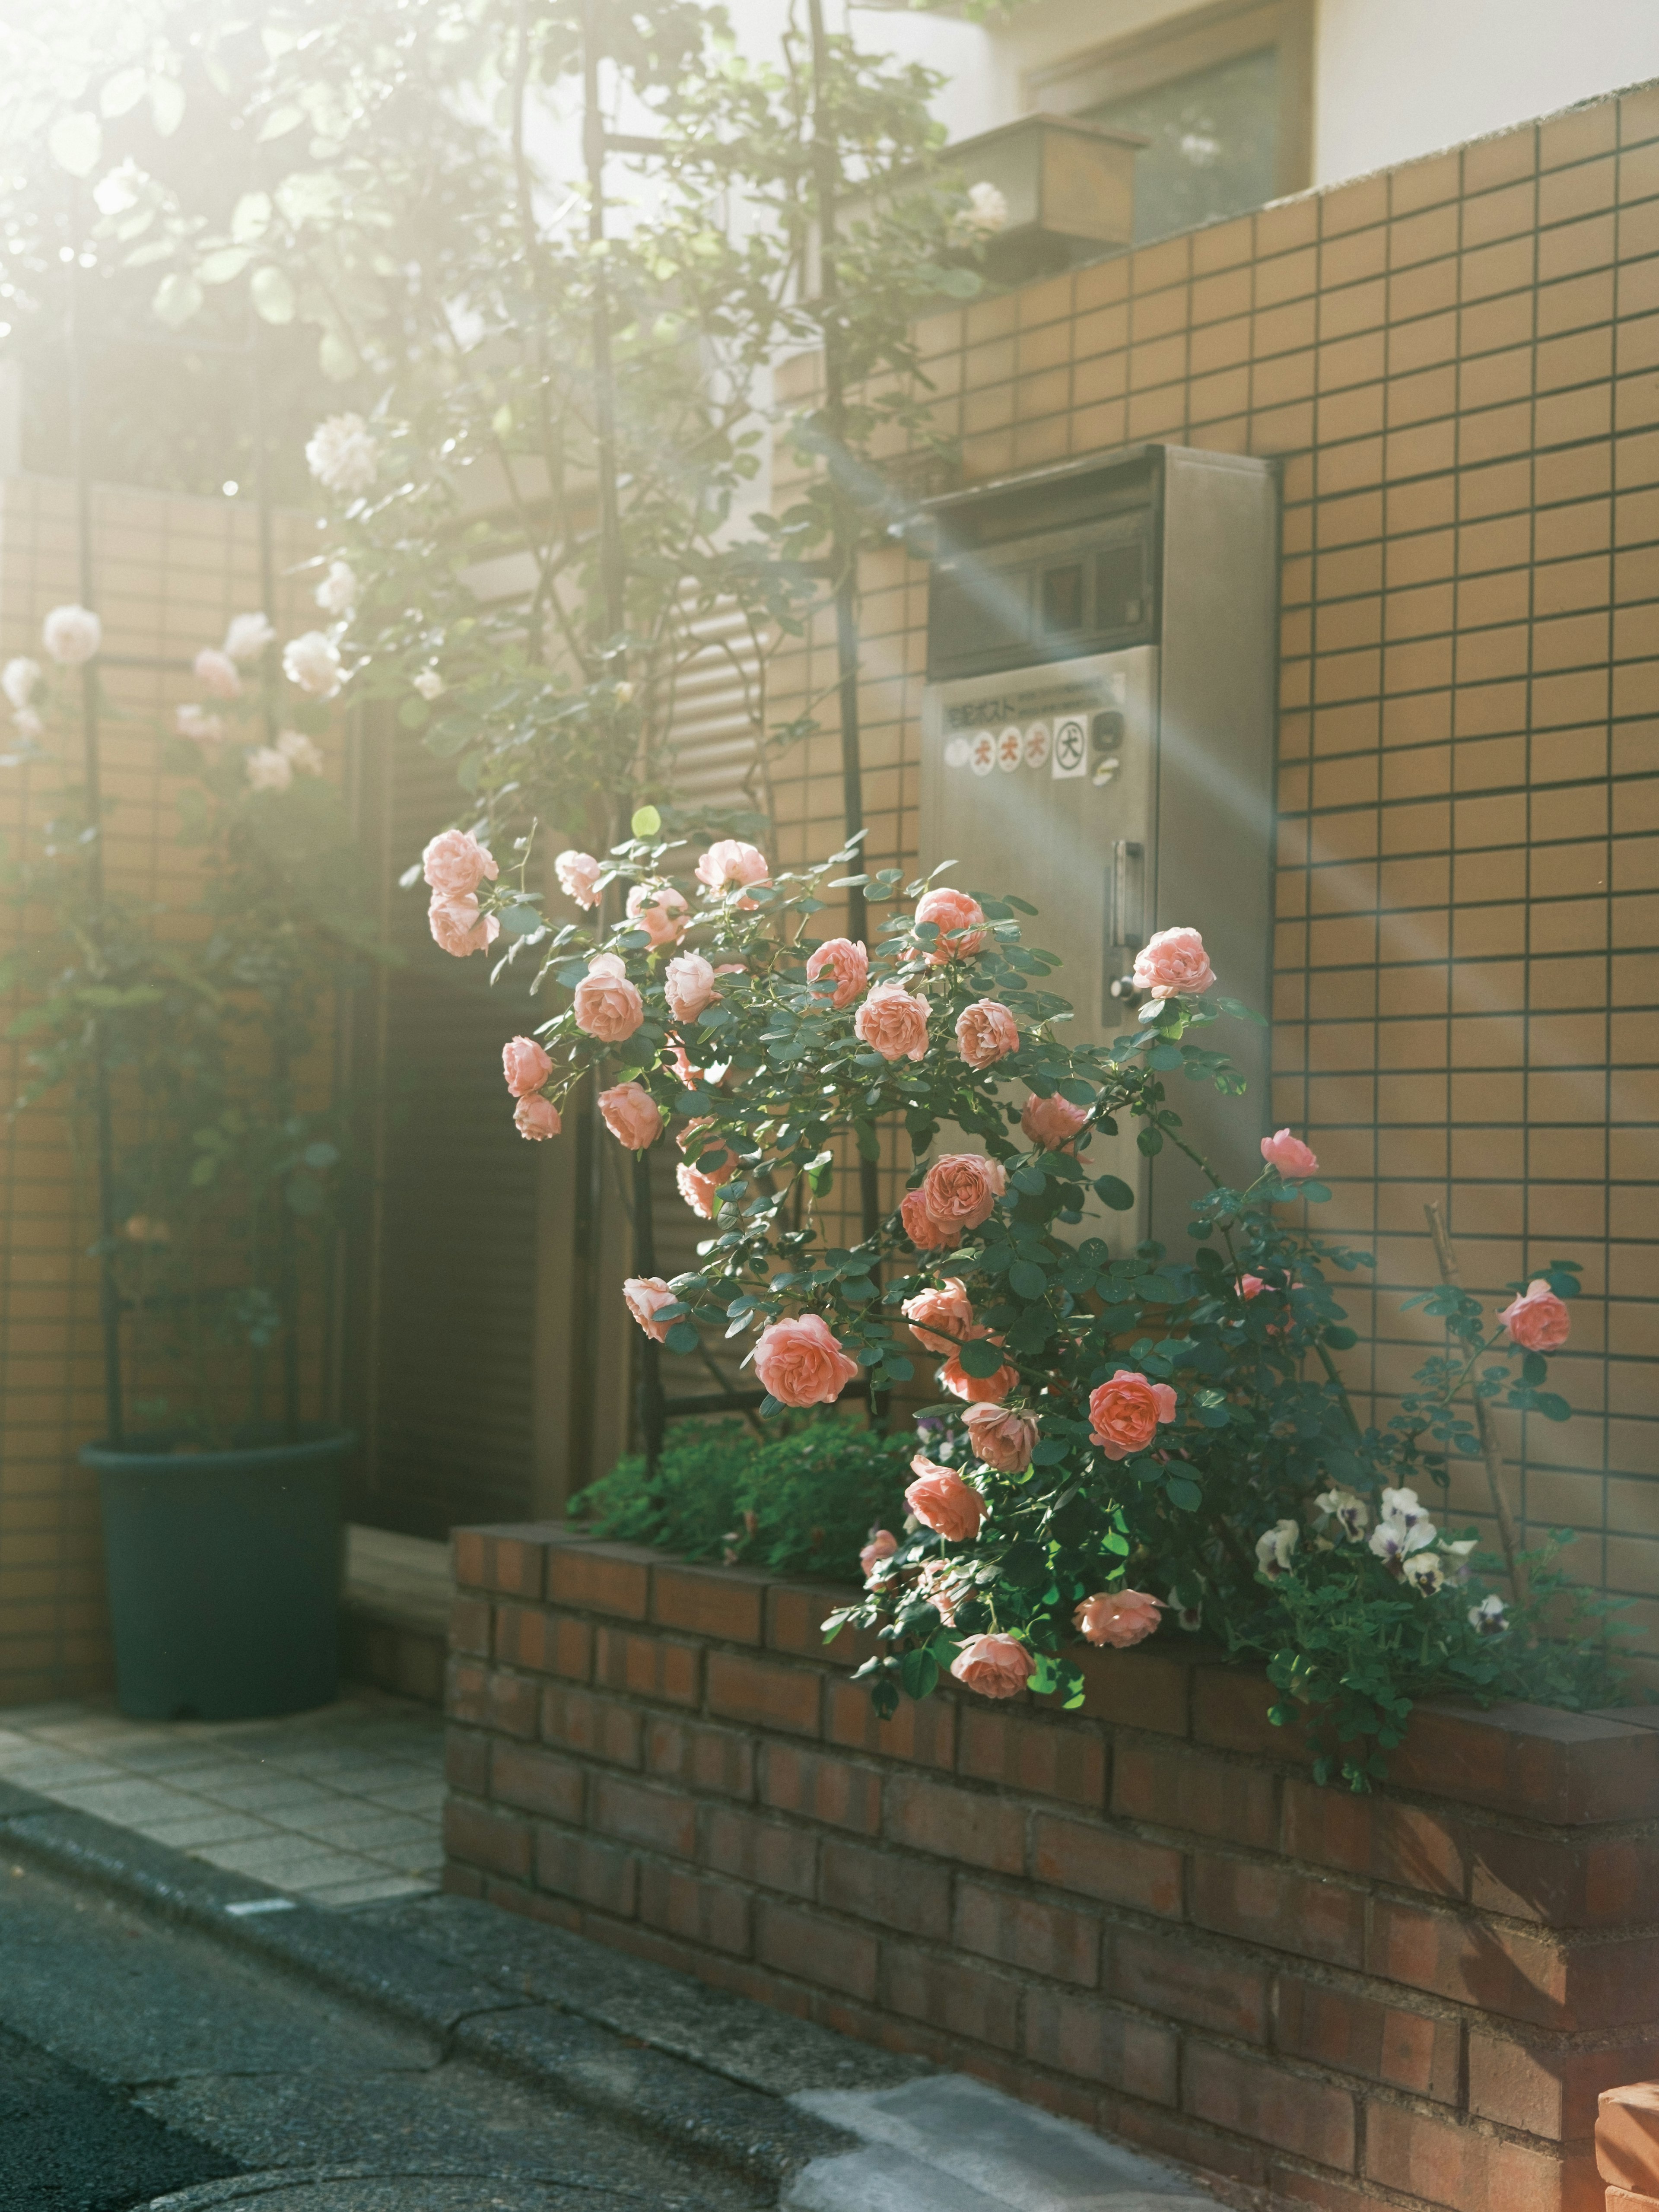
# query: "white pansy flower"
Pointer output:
{"type": "Point", "coordinates": [1424, 1571]}
{"type": "Point", "coordinates": [18, 679]}
{"type": "Point", "coordinates": [297, 748]}
{"type": "Point", "coordinates": [269, 770]}
{"type": "Point", "coordinates": [1396, 1538]}
{"type": "Point", "coordinates": [1274, 1548]}
{"type": "Point", "coordinates": [1347, 1508]}
{"type": "Point", "coordinates": [341, 454]}
{"type": "Point", "coordinates": [247, 637]}
{"type": "Point", "coordinates": [313, 663]}
{"type": "Point", "coordinates": [71, 635]}
{"type": "Point", "coordinates": [1404, 1505]}
{"type": "Point", "coordinates": [337, 592]}
{"type": "Point", "coordinates": [193, 721]}
{"type": "Point", "coordinates": [1488, 1618]}
{"type": "Point", "coordinates": [429, 683]}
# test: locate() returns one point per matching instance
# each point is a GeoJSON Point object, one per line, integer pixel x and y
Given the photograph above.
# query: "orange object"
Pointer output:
{"type": "Point", "coordinates": [1627, 2145]}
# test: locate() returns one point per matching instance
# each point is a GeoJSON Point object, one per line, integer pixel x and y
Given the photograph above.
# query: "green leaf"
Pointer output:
{"type": "Point", "coordinates": [1114, 1193]}
{"type": "Point", "coordinates": [279, 123]}
{"type": "Point", "coordinates": [250, 219]}
{"type": "Point", "coordinates": [122, 92]}
{"type": "Point", "coordinates": [519, 921]}
{"type": "Point", "coordinates": [320, 1156]}
{"type": "Point", "coordinates": [683, 1337]}
{"type": "Point", "coordinates": [272, 295]}
{"type": "Point", "coordinates": [1027, 1280]}
{"type": "Point", "coordinates": [646, 821]}
{"type": "Point", "coordinates": [336, 358]}
{"type": "Point", "coordinates": [166, 105]}
{"type": "Point", "coordinates": [919, 1671]}
{"type": "Point", "coordinates": [980, 1359]}
{"type": "Point", "coordinates": [74, 143]}
{"type": "Point", "coordinates": [1182, 1492]}
{"type": "Point", "coordinates": [1030, 1180]}
{"type": "Point", "coordinates": [177, 299]}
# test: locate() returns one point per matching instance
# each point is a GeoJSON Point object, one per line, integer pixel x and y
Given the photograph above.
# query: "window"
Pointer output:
{"type": "Point", "coordinates": [1223, 96]}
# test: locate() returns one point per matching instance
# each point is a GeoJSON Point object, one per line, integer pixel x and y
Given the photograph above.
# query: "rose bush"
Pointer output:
{"type": "Point", "coordinates": [1149, 1436]}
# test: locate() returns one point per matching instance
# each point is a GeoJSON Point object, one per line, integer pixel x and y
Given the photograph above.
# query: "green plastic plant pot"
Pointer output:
{"type": "Point", "coordinates": [224, 1573]}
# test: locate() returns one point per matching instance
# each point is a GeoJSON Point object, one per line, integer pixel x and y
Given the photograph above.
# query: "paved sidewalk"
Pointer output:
{"type": "Point", "coordinates": [342, 1806]}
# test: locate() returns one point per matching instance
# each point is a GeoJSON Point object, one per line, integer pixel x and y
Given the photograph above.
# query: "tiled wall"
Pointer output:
{"type": "Point", "coordinates": [1458, 362]}
{"type": "Point", "coordinates": [170, 572]}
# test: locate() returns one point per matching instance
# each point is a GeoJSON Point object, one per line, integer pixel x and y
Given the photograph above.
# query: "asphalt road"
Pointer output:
{"type": "Point", "coordinates": [142, 2065]}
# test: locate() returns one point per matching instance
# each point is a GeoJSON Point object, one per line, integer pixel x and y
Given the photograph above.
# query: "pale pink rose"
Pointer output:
{"type": "Point", "coordinates": [978, 1389]}
{"type": "Point", "coordinates": [881, 1547]}
{"type": "Point", "coordinates": [1294, 1161]}
{"type": "Point", "coordinates": [455, 863]}
{"type": "Point", "coordinates": [986, 1033]}
{"type": "Point", "coordinates": [631, 1114]}
{"type": "Point", "coordinates": [939, 1319]}
{"type": "Point", "coordinates": [848, 965]}
{"type": "Point", "coordinates": [1537, 1320]}
{"type": "Point", "coordinates": [802, 1362]}
{"type": "Point", "coordinates": [1118, 1618]}
{"type": "Point", "coordinates": [920, 1226]}
{"type": "Point", "coordinates": [1125, 1412]}
{"type": "Point", "coordinates": [729, 865]}
{"type": "Point", "coordinates": [456, 923]}
{"type": "Point", "coordinates": [71, 635]}
{"type": "Point", "coordinates": [216, 674]}
{"type": "Point", "coordinates": [959, 920]}
{"type": "Point", "coordinates": [943, 1501]}
{"type": "Point", "coordinates": [1173, 962]}
{"type": "Point", "coordinates": [660, 911]}
{"type": "Point", "coordinates": [643, 1294]}
{"type": "Point", "coordinates": [693, 1140]}
{"type": "Point", "coordinates": [689, 985]}
{"type": "Point", "coordinates": [579, 877]}
{"type": "Point", "coordinates": [893, 1022]}
{"type": "Point", "coordinates": [1002, 1439]}
{"type": "Point", "coordinates": [526, 1066]}
{"type": "Point", "coordinates": [1250, 1286]}
{"type": "Point", "coordinates": [995, 1665]}
{"type": "Point", "coordinates": [702, 1193]}
{"type": "Point", "coordinates": [960, 1190]}
{"type": "Point", "coordinates": [1051, 1123]}
{"type": "Point", "coordinates": [942, 1589]}
{"type": "Point", "coordinates": [536, 1116]}
{"type": "Point", "coordinates": [606, 1004]}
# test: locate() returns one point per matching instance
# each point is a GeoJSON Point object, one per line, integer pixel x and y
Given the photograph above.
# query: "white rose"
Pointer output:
{"type": "Point", "coordinates": [197, 722]}
{"type": "Point", "coordinates": [337, 592]}
{"type": "Point", "coordinates": [341, 453]}
{"type": "Point", "coordinates": [71, 635]}
{"type": "Point", "coordinates": [269, 770]}
{"type": "Point", "coordinates": [429, 683]}
{"type": "Point", "coordinates": [18, 679]}
{"type": "Point", "coordinates": [985, 214]}
{"type": "Point", "coordinates": [216, 672]}
{"type": "Point", "coordinates": [297, 748]}
{"type": "Point", "coordinates": [313, 663]}
{"type": "Point", "coordinates": [247, 637]}
{"type": "Point", "coordinates": [28, 724]}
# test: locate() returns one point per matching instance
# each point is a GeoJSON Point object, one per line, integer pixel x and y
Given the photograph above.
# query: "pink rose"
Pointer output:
{"type": "Point", "coordinates": [920, 1226]}
{"type": "Point", "coordinates": [848, 965]}
{"type": "Point", "coordinates": [960, 1190]}
{"type": "Point", "coordinates": [1250, 1286]}
{"type": "Point", "coordinates": [660, 911]}
{"type": "Point", "coordinates": [457, 925]}
{"type": "Point", "coordinates": [631, 1114]}
{"type": "Point", "coordinates": [689, 985]}
{"type": "Point", "coordinates": [978, 1389]}
{"type": "Point", "coordinates": [700, 1192]}
{"type": "Point", "coordinates": [536, 1116]}
{"type": "Point", "coordinates": [579, 877]}
{"type": "Point", "coordinates": [1118, 1618]}
{"type": "Point", "coordinates": [455, 863]}
{"type": "Point", "coordinates": [1173, 962]}
{"type": "Point", "coordinates": [960, 921]}
{"type": "Point", "coordinates": [1004, 1440]}
{"type": "Point", "coordinates": [986, 1033]}
{"type": "Point", "coordinates": [995, 1665]}
{"type": "Point", "coordinates": [941, 1319]}
{"type": "Point", "coordinates": [1291, 1157]}
{"type": "Point", "coordinates": [939, 1586]}
{"type": "Point", "coordinates": [607, 1006]}
{"type": "Point", "coordinates": [683, 1070]}
{"type": "Point", "coordinates": [1125, 1412]}
{"type": "Point", "coordinates": [216, 674]}
{"type": "Point", "coordinates": [526, 1066]}
{"type": "Point", "coordinates": [643, 1294]}
{"type": "Point", "coordinates": [729, 865]}
{"type": "Point", "coordinates": [1051, 1123]}
{"type": "Point", "coordinates": [1538, 1320]}
{"type": "Point", "coordinates": [694, 1143]}
{"type": "Point", "coordinates": [942, 1501]}
{"type": "Point", "coordinates": [802, 1364]}
{"type": "Point", "coordinates": [893, 1023]}
{"type": "Point", "coordinates": [881, 1547]}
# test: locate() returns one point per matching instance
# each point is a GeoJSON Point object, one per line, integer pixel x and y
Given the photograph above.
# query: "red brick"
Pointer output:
{"type": "Point", "coordinates": [1291, 2185]}
{"type": "Point", "coordinates": [921, 1732]}
{"type": "Point", "coordinates": [822, 1788]}
{"type": "Point", "coordinates": [546, 1641]}
{"type": "Point", "coordinates": [699, 1757]}
{"type": "Point", "coordinates": [1565, 1883]}
{"type": "Point", "coordinates": [588, 1869]}
{"type": "Point", "coordinates": [1258, 2097]}
{"type": "Point", "coordinates": [478, 1835]}
{"type": "Point", "coordinates": [469, 1626]}
{"type": "Point", "coordinates": [771, 1853]}
{"type": "Point", "coordinates": [539, 1781]}
{"type": "Point", "coordinates": [1020, 1931]}
{"type": "Point", "coordinates": [698, 1911]}
{"type": "Point", "coordinates": [648, 1666]}
{"type": "Point", "coordinates": [764, 1694]}
{"type": "Point", "coordinates": [1372, 1835]}
{"type": "Point", "coordinates": [1414, 2051]}
{"type": "Point", "coordinates": [466, 1691]}
{"type": "Point", "coordinates": [1546, 2088]}
{"type": "Point", "coordinates": [1265, 1901]}
{"type": "Point", "coordinates": [598, 1727]}
{"type": "Point", "coordinates": [1176, 2136]}
{"type": "Point", "coordinates": [1174, 1788]}
{"type": "Point", "coordinates": [467, 1761]}
{"type": "Point", "coordinates": [636, 1812]}
{"type": "Point", "coordinates": [512, 1702]}
{"type": "Point", "coordinates": [1229, 1711]}
{"type": "Point", "coordinates": [1566, 1768]}
{"type": "Point", "coordinates": [963, 1825]}
{"type": "Point", "coordinates": [1628, 2200]}
{"type": "Point", "coordinates": [1463, 2167]}
{"type": "Point", "coordinates": [795, 1614]}
{"type": "Point", "coordinates": [1138, 1689]}
{"type": "Point", "coordinates": [1627, 2136]}
{"type": "Point", "coordinates": [1106, 1862]}
{"type": "Point", "coordinates": [462, 1882]}
{"type": "Point", "coordinates": [948, 1993]}
{"type": "Point", "coordinates": [1193, 1982]}
{"type": "Point", "coordinates": [614, 1578]}
{"type": "Point", "coordinates": [723, 1601]}
{"type": "Point", "coordinates": [1081, 2035]}
{"type": "Point", "coordinates": [510, 1556]}
{"type": "Point", "coordinates": [890, 1887]}
{"type": "Point", "coordinates": [1052, 1758]}
{"type": "Point", "coordinates": [816, 1949]}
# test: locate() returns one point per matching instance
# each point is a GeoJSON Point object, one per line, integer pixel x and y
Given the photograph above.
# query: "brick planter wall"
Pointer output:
{"type": "Point", "coordinates": [1146, 1917]}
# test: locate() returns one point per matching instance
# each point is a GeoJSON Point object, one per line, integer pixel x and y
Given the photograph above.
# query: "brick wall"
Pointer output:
{"type": "Point", "coordinates": [1455, 361]}
{"type": "Point", "coordinates": [1147, 1918]}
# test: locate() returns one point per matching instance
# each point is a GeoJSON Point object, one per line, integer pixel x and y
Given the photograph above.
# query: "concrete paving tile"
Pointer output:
{"type": "Point", "coordinates": [417, 1797]}
{"type": "Point", "coordinates": [267, 1795]}
{"type": "Point", "coordinates": [371, 1891]}
{"type": "Point", "coordinates": [49, 1776]}
{"type": "Point", "coordinates": [283, 1861]}
{"type": "Point", "coordinates": [360, 1828]}
{"type": "Point", "coordinates": [189, 1831]}
{"type": "Point", "coordinates": [126, 1800]}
